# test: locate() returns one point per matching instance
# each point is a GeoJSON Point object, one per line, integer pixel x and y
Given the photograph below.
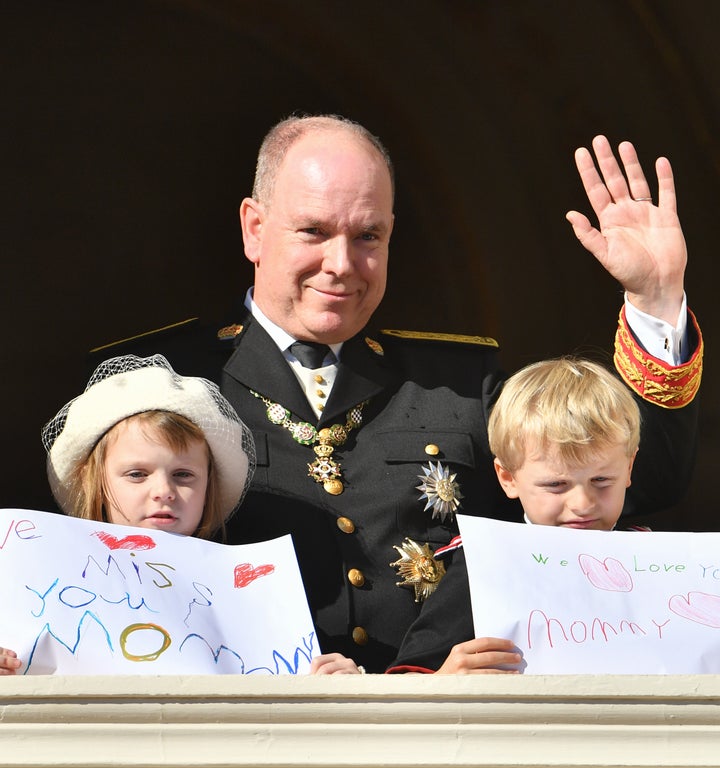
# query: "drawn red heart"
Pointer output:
{"type": "Point", "coordinates": [135, 541]}
{"type": "Point", "coordinates": [245, 574]}
{"type": "Point", "coordinates": [608, 574]}
{"type": "Point", "coordinates": [697, 606]}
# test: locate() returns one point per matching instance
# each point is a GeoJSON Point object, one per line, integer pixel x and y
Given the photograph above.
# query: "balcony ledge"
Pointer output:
{"type": "Point", "coordinates": [353, 721]}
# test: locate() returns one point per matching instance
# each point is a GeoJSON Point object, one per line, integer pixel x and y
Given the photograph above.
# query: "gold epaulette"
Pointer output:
{"type": "Point", "coordinates": [138, 336]}
{"type": "Point", "coordinates": [654, 380]}
{"type": "Point", "coordinates": [456, 338]}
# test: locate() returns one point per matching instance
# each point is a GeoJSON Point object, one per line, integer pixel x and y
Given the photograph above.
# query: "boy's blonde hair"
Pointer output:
{"type": "Point", "coordinates": [576, 406]}
{"type": "Point", "coordinates": [88, 482]}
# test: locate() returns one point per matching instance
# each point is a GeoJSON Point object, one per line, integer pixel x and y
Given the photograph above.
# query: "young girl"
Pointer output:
{"type": "Point", "coordinates": [146, 447]}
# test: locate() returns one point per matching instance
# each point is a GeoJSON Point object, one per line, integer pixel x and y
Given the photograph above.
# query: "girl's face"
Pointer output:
{"type": "Point", "coordinates": [150, 485]}
{"type": "Point", "coordinates": [554, 493]}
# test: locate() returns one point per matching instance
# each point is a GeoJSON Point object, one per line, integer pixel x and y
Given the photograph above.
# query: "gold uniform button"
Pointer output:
{"type": "Point", "coordinates": [345, 524]}
{"type": "Point", "coordinates": [431, 449]}
{"type": "Point", "coordinates": [360, 636]}
{"type": "Point", "coordinates": [356, 577]}
{"type": "Point", "coordinates": [320, 393]}
{"type": "Point", "coordinates": [320, 407]}
{"type": "Point", "coordinates": [319, 379]}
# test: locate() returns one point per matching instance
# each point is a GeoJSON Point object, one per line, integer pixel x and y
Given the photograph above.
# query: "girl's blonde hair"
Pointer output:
{"type": "Point", "coordinates": [88, 483]}
{"type": "Point", "coordinates": [576, 406]}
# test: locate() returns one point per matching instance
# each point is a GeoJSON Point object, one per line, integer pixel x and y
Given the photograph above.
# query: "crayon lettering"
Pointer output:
{"type": "Point", "coordinates": [658, 568]}
{"type": "Point", "coordinates": [42, 597]}
{"type": "Point", "coordinates": [156, 567]}
{"type": "Point", "coordinates": [205, 593]}
{"type": "Point", "coordinates": [20, 528]}
{"type": "Point", "coordinates": [106, 571]}
{"type": "Point", "coordinates": [660, 627]}
{"type": "Point", "coordinates": [541, 626]}
{"type": "Point", "coordinates": [153, 655]}
{"type": "Point", "coordinates": [85, 597]}
{"type": "Point", "coordinates": [714, 572]}
{"type": "Point", "coordinates": [71, 646]}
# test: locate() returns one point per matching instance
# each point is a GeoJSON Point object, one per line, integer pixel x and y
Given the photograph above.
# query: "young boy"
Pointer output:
{"type": "Point", "coordinates": [564, 434]}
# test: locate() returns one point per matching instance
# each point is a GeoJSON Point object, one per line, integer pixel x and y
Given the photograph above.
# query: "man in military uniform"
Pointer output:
{"type": "Point", "coordinates": [367, 444]}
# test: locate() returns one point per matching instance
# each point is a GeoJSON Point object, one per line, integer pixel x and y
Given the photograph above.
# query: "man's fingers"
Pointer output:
{"type": "Point", "coordinates": [666, 184]}
{"type": "Point", "coordinates": [590, 238]}
{"type": "Point", "coordinates": [639, 188]}
{"type": "Point", "coordinates": [594, 186]}
{"type": "Point", "coordinates": [615, 182]}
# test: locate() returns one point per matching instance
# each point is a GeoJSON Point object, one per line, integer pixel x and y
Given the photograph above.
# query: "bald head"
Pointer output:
{"type": "Point", "coordinates": [286, 133]}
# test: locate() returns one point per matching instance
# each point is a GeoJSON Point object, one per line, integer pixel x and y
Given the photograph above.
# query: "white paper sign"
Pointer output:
{"type": "Point", "coordinates": [596, 602]}
{"type": "Point", "coordinates": [80, 597]}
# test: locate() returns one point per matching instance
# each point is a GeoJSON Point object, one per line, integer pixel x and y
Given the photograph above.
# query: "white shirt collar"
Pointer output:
{"type": "Point", "coordinates": [281, 337]}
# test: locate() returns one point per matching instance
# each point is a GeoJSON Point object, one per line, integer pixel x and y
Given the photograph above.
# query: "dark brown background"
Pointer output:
{"type": "Point", "coordinates": [129, 133]}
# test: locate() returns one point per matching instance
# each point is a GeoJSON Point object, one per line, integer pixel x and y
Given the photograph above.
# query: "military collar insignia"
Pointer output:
{"type": "Point", "coordinates": [229, 332]}
{"type": "Point", "coordinates": [375, 346]}
{"type": "Point", "coordinates": [418, 568]}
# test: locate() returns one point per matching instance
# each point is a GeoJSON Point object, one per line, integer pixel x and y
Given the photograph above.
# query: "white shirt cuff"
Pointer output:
{"type": "Point", "coordinates": [660, 339]}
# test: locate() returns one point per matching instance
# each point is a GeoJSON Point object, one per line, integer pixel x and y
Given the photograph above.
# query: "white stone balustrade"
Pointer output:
{"type": "Point", "coordinates": [353, 721]}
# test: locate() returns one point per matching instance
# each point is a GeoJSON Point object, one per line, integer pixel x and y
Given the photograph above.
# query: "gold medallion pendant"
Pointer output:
{"type": "Point", "coordinates": [324, 469]}
{"type": "Point", "coordinates": [418, 568]}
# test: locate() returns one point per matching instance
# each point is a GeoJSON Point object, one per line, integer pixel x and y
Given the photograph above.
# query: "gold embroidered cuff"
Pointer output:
{"type": "Point", "coordinates": [654, 380]}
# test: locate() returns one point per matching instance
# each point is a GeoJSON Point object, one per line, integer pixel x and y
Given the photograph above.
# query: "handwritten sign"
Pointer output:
{"type": "Point", "coordinates": [80, 597]}
{"type": "Point", "coordinates": [596, 602]}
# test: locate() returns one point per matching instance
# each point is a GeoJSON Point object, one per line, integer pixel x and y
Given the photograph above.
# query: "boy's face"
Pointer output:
{"type": "Point", "coordinates": [152, 486]}
{"type": "Point", "coordinates": [552, 492]}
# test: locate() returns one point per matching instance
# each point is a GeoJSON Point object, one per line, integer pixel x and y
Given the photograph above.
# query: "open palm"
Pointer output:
{"type": "Point", "coordinates": [640, 244]}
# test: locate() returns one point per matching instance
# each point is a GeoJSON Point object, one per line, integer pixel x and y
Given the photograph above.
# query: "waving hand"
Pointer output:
{"type": "Point", "coordinates": [639, 243]}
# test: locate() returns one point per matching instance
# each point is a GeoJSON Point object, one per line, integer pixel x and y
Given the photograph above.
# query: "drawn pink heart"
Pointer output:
{"type": "Point", "coordinates": [245, 574]}
{"type": "Point", "coordinates": [610, 574]}
{"type": "Point", "coordinates": [135, 541]}
{"type": "Point", "coordinates": [697, 606]}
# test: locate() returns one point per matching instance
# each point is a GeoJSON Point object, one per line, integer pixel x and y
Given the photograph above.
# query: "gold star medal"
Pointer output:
{"type": "Point", "coordinates": [441, 491]}
{"type": "Point", "coordinates": [418, 568]}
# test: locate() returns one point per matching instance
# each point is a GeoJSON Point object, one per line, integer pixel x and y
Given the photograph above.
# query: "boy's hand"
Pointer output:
{"type": "Point", "coordinates": [484, 655]}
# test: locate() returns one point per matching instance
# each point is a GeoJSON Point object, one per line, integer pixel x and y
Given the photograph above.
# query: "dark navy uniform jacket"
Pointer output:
{"type": "Point", "coordinates": [421, 392]}
{"type": "Point", "coordinates": [445, 620]}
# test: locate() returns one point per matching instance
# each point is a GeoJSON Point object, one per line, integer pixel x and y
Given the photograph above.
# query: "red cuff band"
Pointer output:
{"type": "Point", "coordinates": [654, 380]}
{"type": "Point", "coordinates": [403, 669]}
